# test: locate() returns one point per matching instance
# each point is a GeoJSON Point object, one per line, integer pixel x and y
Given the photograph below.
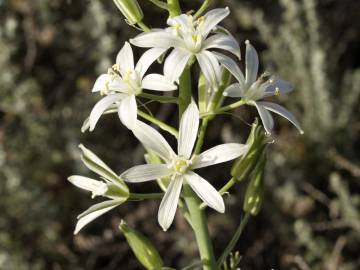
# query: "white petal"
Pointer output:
{"type": "Point", "coordinates": [283, 112]}
{"type": "Point", "coordinates": [219, 154]}
{"type": "Point", "coordinates": [189, 125]}
{"type": "Point", "coordinates": [175, 63]}
{"type": "Point", "coordinates": [206, 192]}
{"type": "Point", "coordinates": [224, 42]}
{"type": "Point", "coordinates": [147, 59]}
{"type": "Point", "coordinates": [146, 172]}
{"type": "Point", "coordinates": [283, 87]}
{"type": "Point", "coordinates": [231, 66]}
{"type": "Point", "coordinates": [125, 58]}
{"type": "Point", "coordinates": [101, 106]}
{"type": "Point", "coordinates": [209, 66]}
{"type": "Point", "coordinates": [153, 140]}
{"type": "Point", "coordinates": [169, 203]}
{"type": "Point", "coordinates": [128, 111]}
{"type": "Point", "coordinates": [234, 90]}
{"type": "Point", "coordinates": [157, 39]}
{"type": "Point", "coordinates": [251, 63]}
{"type": "Point", "coordinates": [212, 18]}
{"type": "Point", "coordinates": [157, 82]}
{"type": "Point", "coordinates": [265, 116]}
{"type": "Point", "coordinates": [100, 83]}
{"type": "Point", "coordinates": [94, 212]}
{"type": "Point", "coordinates": [86, 183]}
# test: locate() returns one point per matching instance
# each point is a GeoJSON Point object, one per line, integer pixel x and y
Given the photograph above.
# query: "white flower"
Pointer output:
{"type": "Point", "coordinates": [180, 166]}
{"type": "Point", "coordinates": [190, 38]}
{"type": "Point", "coordinates": [252, 89]}
{"type": "Point", "coordinates": [111, 187]}
{"type": "Point", "coordinates": [124, 81]}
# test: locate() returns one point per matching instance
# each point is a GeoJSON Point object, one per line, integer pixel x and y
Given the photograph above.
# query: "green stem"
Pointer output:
{"type": "Point", "coordinates": [224, 109]}
{"type": "Point", "coordinates": [199, 225]}
{"type": "Point", "coordinates": [203, 7]}
{"type": "Point", "coordinates": [184, 98]}
{"type": "Point", "coordinates": [159, 123]}
{"type": "Point", "coordinates": [143, 26]}
{"type": "Point", "coordinates": [158, 98]}
{"type": "Point", "coordinates": [234, 240]}
{"type": "Point", "coordinates": [160, 4]}
{"type": "Point", "coordinates": [145, 196]}
{"type": "Point", "coordinates": [201, 136]}
{"type": "Point", "coordinates": [174, 8]}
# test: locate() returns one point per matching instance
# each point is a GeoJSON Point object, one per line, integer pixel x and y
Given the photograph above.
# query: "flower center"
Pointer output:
{"type": "Point", "coordinates": [181, 165]}
{"type": "Point", "coordinates": [131, 78]}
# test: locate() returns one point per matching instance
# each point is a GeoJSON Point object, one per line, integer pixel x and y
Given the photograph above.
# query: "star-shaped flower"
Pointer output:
{"type": "Point", "coordinates": [124, 81]}
{"type": "Point", "coordinates": [190, 38]}
{"type": "Point", "coordinates": [253, 89]}
{"type": "Point", "coordinates": [179, 167]}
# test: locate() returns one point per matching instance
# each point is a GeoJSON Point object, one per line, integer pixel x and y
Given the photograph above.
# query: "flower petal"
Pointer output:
{"type": "Point", "coordinates": [146, 172]}
{"type": "Point", "coordinates": [157, 82]}
{"type": "Point", "coordinates": [206, 192]}
{"type": "Point", "coordinates": [169, 203]}
{"type": "Point", "coordinates": [86, 183]}
{"type": "Point", "coordinates": [189, 125]}
{"type": "Point", "coordinates": [175, 63]}
{"type": "Point", "coordinates": [94, 212]}
{"type": "Point", "coordinates": [147, 59]}
{"type": "Point", "coordinates": [265, 116]}
{"type": "Point", "coordinates": [157, 39]}
{"type": "Point", "coordinates": [125, 59]}
{"type": "Point", "coordinates": [251, 64]}
{"type": "Point", "coordinates": [283, 112]}
{"type": "Point", "coordinates": [101, 107]}
{"type": "Point", "coordinates": [218, 154]}
{"type": "Point", "coordinates": [212, 18]}
{"type": "Point", "coordinates": [209, 66]}
{"type": "Point", "coordinates": [100, 83]}
{"type": "Point", "coordinates": [153, 140]}
{"type": "Point", "coordinates": [231, 66]}
{"type": "Point", "coordinates": [234, 90]}
{"type": "Point", "coordinates": [128, 111]}
{"type": "Point", "coordinates": [224, 42]}
{"type": "Point", "coordinates": [280, 86]}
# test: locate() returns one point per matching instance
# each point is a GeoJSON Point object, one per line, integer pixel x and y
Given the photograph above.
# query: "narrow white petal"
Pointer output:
{"type": "Point", "coordinates": [209, 66]}
{"type": "Point", "coordinates": [234, 90]}
{"type": "Point", "coordinates": [94, 212]}
{"type": "Point", "coordinates": [251, 63]}
{"type": "Point", "coordinates": [218, 154]}
{"type": "Point", "coordinates": [101, 106]}
{"type": "Point", "coordinates": [157, 82]}
{"type": "Point", "coordinates": [206, 192]}
{"type": "Point", "coordinates": [280, 86]}
{"type": "Point", "coordinates": [212, 18]}
{"type": "Point", "coordinates": [224, 42]}
{"type": "Point", "coordinates": [175, 63]}
{"type": "Point", "coordinates": [169, 203]}
{"type": "Point", "coordinates": [86, 183]}
{"type": "Point", "coordinates": [147, 59]}
{"type": "Point", "coordinates": [231, 66]}
{"type": "Point", "coordinates": [153, 140]}
{"type": "Point", "coordinates": [128, 111]}
{"type": "Point", "coordinates": [283, 112]}
{"type": "Point", "coordinates": [146, 172]}
{"type": "Point", "coordinates": [157, 39]}
{"type": "Point", "coordinates": [125, 58]}
{"type": "Point", "coordinates": [265, 116]}
{"type": "Point", "coordinates": [189, 125]}
{"type": "Point", "coordinates": [100, 83]}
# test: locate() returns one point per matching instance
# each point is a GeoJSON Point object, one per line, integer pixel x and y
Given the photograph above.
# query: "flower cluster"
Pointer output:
{"type": "Point", "coordinates": [191, 40]}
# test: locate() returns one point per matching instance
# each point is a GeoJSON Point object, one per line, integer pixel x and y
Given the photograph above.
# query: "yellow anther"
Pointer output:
{"type": "Point", "coordinates": [277, 91]}
{"type": "Point", "coordinates": [116, 67]}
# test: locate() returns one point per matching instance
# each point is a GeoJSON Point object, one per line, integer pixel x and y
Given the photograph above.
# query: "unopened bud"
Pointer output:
{"type": "Point", "coordinates": [143, 249]}
{"type": "Point", "coordinates": [130, 9]}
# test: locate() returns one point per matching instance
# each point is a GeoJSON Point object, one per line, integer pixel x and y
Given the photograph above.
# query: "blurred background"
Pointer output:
{"type": "Point", "coordinates": [50, 54]}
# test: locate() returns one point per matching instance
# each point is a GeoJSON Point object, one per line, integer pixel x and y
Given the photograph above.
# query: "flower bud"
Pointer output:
{"type": "Point", "coordinates": [131, 10]}
{"type": "Point", "coordinates": [245, 164]}
{"type": "Point", "coordinates": [143, 249]}
{"type": "Point", "coordinates": [255, 189]}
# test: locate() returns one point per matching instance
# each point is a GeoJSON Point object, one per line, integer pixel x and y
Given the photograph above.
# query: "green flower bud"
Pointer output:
{"type": "Point", "coordinates": [130, 9]}
{"type": "Point", "coordinates": [245, 164]}
{"type": "Point", "coordinates": [255, 189]}
{"type": "Point", "coordinates": [143, 249]}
